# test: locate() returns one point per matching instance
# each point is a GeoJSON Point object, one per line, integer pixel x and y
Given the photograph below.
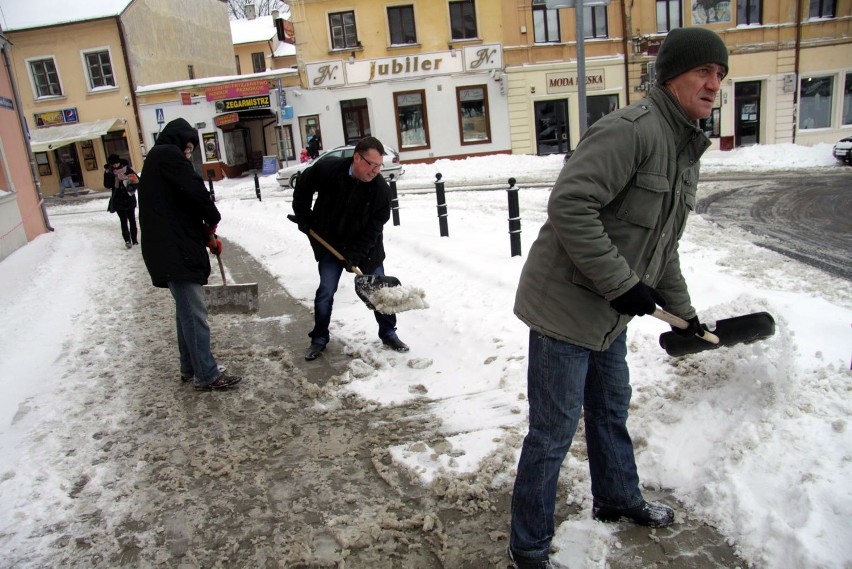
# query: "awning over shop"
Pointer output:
{"type": "Point", "coordinates": [53, 137]}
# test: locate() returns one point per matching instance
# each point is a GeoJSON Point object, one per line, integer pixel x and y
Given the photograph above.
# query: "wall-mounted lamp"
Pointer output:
{"type": "Point", "coordinates": [453, 52]}
{"type": "Point", "coordinates": [532, 89]}
{"type": "Point", "coordinates": [351, 58]}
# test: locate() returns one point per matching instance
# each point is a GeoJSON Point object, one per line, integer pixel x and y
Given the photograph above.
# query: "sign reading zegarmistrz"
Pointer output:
{"type": "Point", "coordinates": [244, 104]}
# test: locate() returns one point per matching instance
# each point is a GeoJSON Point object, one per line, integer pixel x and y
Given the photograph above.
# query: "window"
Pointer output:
{"type": "Point", "coordinates": [474, 123]}
{"type": "Point", "coordinates": [190, 71]}
{"type": "Point", "coordinates": [668, 15]}
{"type": "Point", "coordinates": [411, 120]}
{"type": "Point", "coordinates": [545, 23]}
{"type": "Point", "coordinates": [598, 106]}
{"type": "Point", "coordinates": [343, 32]}
{"type": "Point", "coordinates": [748, 12]}
{"type": "Point", "coordinates": [401, 25]}
{"type": "Point", "coordinates": [847, 101]}
{"type": "Point", "coordinates": [822, 9]}
{"type": "Point", "coordinates": [815, 102]}
{"type": "Point", "coordinates": [463, 20]}
{"type": "Point", "coordinates": [99, 66]}
{"type": "Point", "coordinates": [45, 78]}
{"type": "Point", "coordinates": [237, 63]}
{"type": "Point", "coordinates": [710, 125]}
{"type": "Point", "coordinates": [594, 22]}
{"type": "Point", "coordinates": [258, 62]}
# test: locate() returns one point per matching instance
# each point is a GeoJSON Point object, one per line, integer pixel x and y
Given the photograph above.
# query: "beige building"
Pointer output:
{"type": "Point", "coordinates": [257, 47]}
{"type": "Point", "coordinates": [78, 66]}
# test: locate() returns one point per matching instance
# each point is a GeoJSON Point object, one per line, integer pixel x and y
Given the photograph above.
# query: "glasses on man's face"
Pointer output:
{"type": "Point", "coordinates": [373, 166]}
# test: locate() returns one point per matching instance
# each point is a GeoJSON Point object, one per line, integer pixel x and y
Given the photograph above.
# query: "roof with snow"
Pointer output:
{"type": "Point", "coordinates": [261, 28]}
{"type": "Point", "coordinates": [25, 14]}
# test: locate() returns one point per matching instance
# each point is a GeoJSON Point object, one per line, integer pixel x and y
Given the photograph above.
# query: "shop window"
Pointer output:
{"type": "Point", "coordinates": [822, 9]}
{"type": "Point", "coordinates": [258, 62]}
{"type": "Point", "coordinates": [598, 106]}
{"type": "Point", "coordinates": [474, 122]}
{"type": "Point", "coordinates": [710, 125]}
{"type": "Point", "coordinates": [594, 22]}
{"type": "Point", "coordinates": [710, 11]}
{"type": "Point", "coordinates": [401, 25]}
{"type": "Point", "coordinates": [115, 142]}
{"type": "Point", "coordinates": [748, 12]}
{"type": "Point", "coordinates": [43, 163]}
{"type": "Point", "coordinates": [45, 78]}
{"type": "Point", "coordinates": [463, 20]}
{"type": "Point", "coordinates": [815, 102]}
{"type": "Point", "coordinates": [99, 68]}
{"type": "Point", "coordinates": [668, 15]}
{"type": "Point", "coordinates": [342, 28]}
{"type": "Point", "coordinates": [847, 101]}
{"type": "Point", "coordinates": [545, 23]}
{"type": "Point", "coordinates": [411, 120]}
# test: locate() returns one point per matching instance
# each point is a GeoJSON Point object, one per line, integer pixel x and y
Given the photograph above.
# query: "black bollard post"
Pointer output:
{"type": "Point", "coordinates": [210, 174]}
{"type": "Point", "coordinates": [442, 206]}
{"type": "Point", "coordinates": [394, 200]}
{"type": "Point", "coordinates": [257, 187]}
{"type": "Point", "coordinates": [514, 219]}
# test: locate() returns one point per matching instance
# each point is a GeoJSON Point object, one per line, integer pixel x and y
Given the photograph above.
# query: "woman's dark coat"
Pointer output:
{"type": "Point", "coordinates": [122, 198]}
{"type": "Point", "coordinates": [175, 210]}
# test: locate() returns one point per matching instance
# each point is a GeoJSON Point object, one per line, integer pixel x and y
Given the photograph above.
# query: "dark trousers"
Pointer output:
{"type": "Point", "coordinates": [128, 217]}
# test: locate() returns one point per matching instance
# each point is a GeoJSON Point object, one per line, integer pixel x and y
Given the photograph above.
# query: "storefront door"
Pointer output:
{"type": "Point", "coordinates": [551, 127]}
{"type": "Point", "coordinates": [68, 154]}
{"type": "Point", "coordinates": [747, 122]}
{"type": "Point", "coordinates": [356, 120]}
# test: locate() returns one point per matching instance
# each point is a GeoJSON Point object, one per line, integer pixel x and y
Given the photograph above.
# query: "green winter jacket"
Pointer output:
{"type": "Point", "coordinates": [615, 215]}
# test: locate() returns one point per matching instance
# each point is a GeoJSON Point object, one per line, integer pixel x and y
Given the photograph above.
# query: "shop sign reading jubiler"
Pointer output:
{"type": "Point", "coordinates": [246, 104]}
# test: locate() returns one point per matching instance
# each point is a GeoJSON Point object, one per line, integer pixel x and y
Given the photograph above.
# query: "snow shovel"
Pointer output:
{"type": "Point", "coordinates": [230, 299]}
{"type": "Point", "coordinates": [380, 293]}
{"type": "Point", "coordinates": [730, 331]}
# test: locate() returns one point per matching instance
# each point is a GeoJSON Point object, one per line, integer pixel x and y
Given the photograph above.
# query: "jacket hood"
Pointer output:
{"type": "Point", "coordinates": [178, 132]}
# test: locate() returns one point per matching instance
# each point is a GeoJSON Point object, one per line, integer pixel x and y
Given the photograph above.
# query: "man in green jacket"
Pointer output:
{"type": "Point", "coordinates": [607, 252]}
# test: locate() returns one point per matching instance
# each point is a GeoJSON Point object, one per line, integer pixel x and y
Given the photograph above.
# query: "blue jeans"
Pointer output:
{"type": "Point", "coordinates": [564, 380]}
{"type": "Point", "coordinates": [193, 332]}
{"type": "Point", "coordinates": [67, 182]}
{"type": "Point", "coordinates": [330, 270]}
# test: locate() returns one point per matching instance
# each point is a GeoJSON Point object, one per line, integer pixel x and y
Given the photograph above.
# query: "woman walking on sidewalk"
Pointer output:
{"type": "Point", "coordinates": [121, 179]}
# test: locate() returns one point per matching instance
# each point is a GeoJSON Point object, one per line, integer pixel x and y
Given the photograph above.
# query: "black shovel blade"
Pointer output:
{"type": "Point", "coordinates": [367, 285]}
{"type": "Point", "coordinates": [731, 331]}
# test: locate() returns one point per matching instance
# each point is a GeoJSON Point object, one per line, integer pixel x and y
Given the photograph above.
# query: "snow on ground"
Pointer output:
{"type": "Point", "coordinates": [754, 439]}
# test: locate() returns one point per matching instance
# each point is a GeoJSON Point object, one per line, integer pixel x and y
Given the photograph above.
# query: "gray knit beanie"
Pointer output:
{"type": "Point", "coordinates": [687, 48]}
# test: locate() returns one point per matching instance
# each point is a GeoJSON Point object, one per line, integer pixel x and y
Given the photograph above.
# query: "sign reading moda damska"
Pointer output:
{"type": "Point", "coordinates": [246, 104]}
{"type": "Point", "coordinates": [567, 82]}
{"type": "Point", "coordinates": [469, 59]}
{"type": "Point", "coordinates": [237, 90]}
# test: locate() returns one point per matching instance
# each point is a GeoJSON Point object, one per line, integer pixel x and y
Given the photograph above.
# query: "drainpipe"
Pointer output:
{"type": "Point", "coordinates": [24, 130]}
{"type": "Point", "coordinates": [628, 34]}
{"type": "Point", "coordinates": [796, 69]}
{"type": "Point", "coordinates": [132, 82]}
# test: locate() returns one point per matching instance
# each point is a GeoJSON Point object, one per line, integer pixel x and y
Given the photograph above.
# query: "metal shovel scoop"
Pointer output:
{"type": "Point", "coordinates": [233, 298]}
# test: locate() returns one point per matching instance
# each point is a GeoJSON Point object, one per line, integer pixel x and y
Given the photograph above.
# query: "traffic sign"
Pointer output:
{"type": "Point", "coordinates": [161, 117]}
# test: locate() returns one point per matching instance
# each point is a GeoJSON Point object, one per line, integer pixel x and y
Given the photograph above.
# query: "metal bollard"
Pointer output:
{"type": "Point", "coordinates": [394, 200]}
{"type": "Point", "coordinates": [442, 206]}
{"type": "Point", "coordinates": [210, 174]}
{"type": "Point", "coordinates": [514, 219]}
{"type": "Point", "coordinates": [257, 187]}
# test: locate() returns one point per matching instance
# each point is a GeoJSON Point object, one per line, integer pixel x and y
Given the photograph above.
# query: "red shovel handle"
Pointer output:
{"type": "Point", "coordinates": [683, 324]}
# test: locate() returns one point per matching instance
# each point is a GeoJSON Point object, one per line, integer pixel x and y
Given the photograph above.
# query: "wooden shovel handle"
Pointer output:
{"type": "Point", "coordinates": [683, 324]}
{"type": "Point", "coordinates": [333, 251]}
{"type": "Point", "coordinates": [219, 258]}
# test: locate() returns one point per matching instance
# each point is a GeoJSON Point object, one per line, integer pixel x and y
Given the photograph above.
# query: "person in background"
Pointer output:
{"type": "Point", "coordinates": [66, 179]}
{"type": "Point", "coordinates": [178, 221]}
{"type": "Point", "coordinates": [303, 156]}
{"type": "Point", "coordinates": [607, 252]}
{"type": "Point", "coordinates": [351, 209]}
{"type": "Point", "coordinates": [314, 147]}
{"type": "Point", "coordinates": [120, 178]}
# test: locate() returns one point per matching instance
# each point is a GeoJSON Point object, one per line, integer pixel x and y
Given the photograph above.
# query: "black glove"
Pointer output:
{"type": "Point", "coordinates": [302, 224]}
{"type": "Point", "coordinates": [695, 328]}
{"type": "Point", "coordinates": [638, 301]}
{"type": "Point", "coordinates": [347, 265]}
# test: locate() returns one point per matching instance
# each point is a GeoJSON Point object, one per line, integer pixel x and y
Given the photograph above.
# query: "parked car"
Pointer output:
{"type": "Point", "coordinates": [843, 150]}
{"type": "Point", "coordinates": [289, 176]}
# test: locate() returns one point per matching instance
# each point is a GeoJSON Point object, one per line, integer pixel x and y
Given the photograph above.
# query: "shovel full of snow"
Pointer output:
{"type": "Point", "coordinates": [380, 293]}
{"type": "Point", "coordinates": [728, 332]}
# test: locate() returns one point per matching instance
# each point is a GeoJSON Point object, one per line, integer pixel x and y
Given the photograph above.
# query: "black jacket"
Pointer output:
{"type": "Point", "coordinates": [122, 197]}
{"type": "Point", "coordinates": [174, 210]}
{"type": "Point", "coordinates": [348, 213]}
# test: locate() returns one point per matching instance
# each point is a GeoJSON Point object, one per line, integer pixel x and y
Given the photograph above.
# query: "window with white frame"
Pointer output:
{"type": "Point", "coordinates": [99, 69]}
{"type": "Point", "coordinates": [545, 23]}
{"type": "Point", "coordinates": [411, 119]}
{"type": "Point", "coordinates": [594, 22]}
{"type": "Point", "coordinates": [341, 25]}
{"type": "Point", "coordinates": [668, 15]}
{"type": "Point", "coordinates": [749, 12]}
{"type": "Point", "coordinates": [463, 20]}
{"type": "Point", "coordinates": [401, 25]}
{"type": "Point", "coordinates": [474, 122]}
{"type": "Point", "coordinates": [45, 77]}
{"type": "Point", "coordinates": [822, 9]}
{"type": "Point", "coordinates": [815, 102]}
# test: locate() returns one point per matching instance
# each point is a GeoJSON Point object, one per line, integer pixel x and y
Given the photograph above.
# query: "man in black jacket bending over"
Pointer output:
{"type": "Point", "coordinates": [178, 220]}
{"type": "Point", "coordinates": [351, 209]}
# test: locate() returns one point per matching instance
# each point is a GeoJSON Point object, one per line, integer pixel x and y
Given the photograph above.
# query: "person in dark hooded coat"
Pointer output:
{"type": "Point", "coordinates": [178, 222]}
{"type": "Point", "coordinates": [121, 180]}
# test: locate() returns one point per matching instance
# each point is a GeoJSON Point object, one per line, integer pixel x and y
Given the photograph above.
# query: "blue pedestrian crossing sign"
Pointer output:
{"type": "Point", "coordinates": [161, 118]}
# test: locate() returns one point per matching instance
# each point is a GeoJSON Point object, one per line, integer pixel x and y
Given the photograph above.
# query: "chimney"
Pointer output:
{"type": "Point", "coordinates": [250, 11]}
{"type": "Point", "coordinates": [275, 14]}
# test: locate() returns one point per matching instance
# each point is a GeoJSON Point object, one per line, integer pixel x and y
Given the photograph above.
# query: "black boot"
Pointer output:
{"type": "Point", "coordinates": [645, 514]}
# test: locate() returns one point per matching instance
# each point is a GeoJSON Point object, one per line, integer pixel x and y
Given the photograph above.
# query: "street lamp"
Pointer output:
{"type": "Point", "coordinates": [581, 51]}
